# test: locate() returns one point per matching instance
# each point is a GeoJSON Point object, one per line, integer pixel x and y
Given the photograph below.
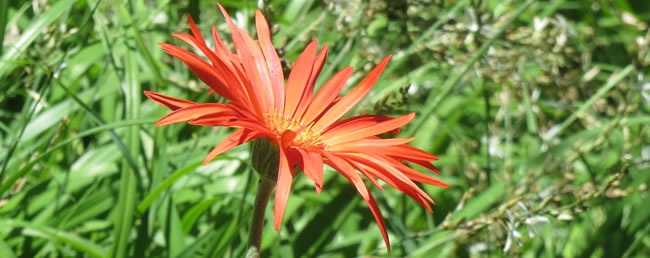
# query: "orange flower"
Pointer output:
{"type": "Point", "coordinates": [304, 126]}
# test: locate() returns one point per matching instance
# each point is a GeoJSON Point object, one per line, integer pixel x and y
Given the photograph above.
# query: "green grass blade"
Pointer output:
{"type": "Point", "coordinates": [106, 127]}
{"type": "Point", "coordinates": [53, 234]}
{"type": "Point", "coordinates": [5, 249]}
{"type": "Point", "coordinates": [116, 139]}
{"type": "Point", "coordinates": [4, 12]}
{"type": "Point", "coordinates": [128, 179]}
{"type": "Point", "coordinates": [531, 123]}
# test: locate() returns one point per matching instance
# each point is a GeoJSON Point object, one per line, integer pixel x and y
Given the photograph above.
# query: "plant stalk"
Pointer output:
{"type": "Point", "coordinates": [262, 197]}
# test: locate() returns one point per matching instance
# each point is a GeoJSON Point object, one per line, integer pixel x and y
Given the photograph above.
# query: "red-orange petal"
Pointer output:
{"type": "Point", "coordinates": [392, 176]}
{"type": "Point", "coordinates": [348, 171]}
{"type": "Point", "coordinates": [235, 139]}
{"type": "Point", "coordinates": [298, 78]}
{"type": "Point", "coordinates": [367, 174]}
{"type": "Point", "coordinates": [312, 167]}
{"type": "Point", "coordinates": [316, 69]}
{"type": "Point", "coordinates": [199, 42]}
{"type": "Point", "coordinates": [167, 101]}
{"type": "Point", "coordinates": [253, 90]}
{"type": "Point", "coordinates": [399, 152]}
{"type": "Point", "coordinates": [220, 49]}
{"type": "Point", "coordinates": [423, 163]}
{"type": "Point", "coordinates": [355, 122]}
{"type": "Point", "coordinates": [352, 98]}
{"type": "Point", "coordinates": [263, 75]}
{"type": "Point", "coordinates": [215, 119]}
{"type": "Point", "coordinates": [200, 68]}
{"type": "Point", "coordinates": [309, 87]}
{"type": "Point", "coordinates": [407, 152]}
{"type": "Point", "coordinates": [327, 94]}
{"type": "Point", "coordinates": [187, 38]}
{"type": "Point", "coordinates": [369, 143]}
{"type": "Point", "coordinates": [272, 60]}
{"type": "Point", "coordinates": [417, 176]}
{"type": "Point", "coordinates": [376, 212]}
{"type": "Point", "coordinates": [285, 178]}
{"type": "Point", "coordinates": [223, 67]}
{"type": "Point", "coordinates": [192, 112]}
{"type": "Point", "coordinates": [195, 30]}
{"type": "Point", "coordinates": [330, 138]}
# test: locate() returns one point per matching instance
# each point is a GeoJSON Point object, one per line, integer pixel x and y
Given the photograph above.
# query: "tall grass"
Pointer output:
{"type": "Point", "coordinates": [539, 112]}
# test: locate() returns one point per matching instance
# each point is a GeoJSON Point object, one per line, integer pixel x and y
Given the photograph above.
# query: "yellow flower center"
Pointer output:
{"type": "Point", "coordinates": [305, 136]}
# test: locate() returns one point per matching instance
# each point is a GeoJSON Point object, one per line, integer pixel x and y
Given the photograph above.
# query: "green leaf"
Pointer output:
{"type": "Point", "coordinates": [53, 234]}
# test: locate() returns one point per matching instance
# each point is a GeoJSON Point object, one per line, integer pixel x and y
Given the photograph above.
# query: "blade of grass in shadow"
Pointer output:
{"type": "Point", "coordinates": [55, 235]}
{"type": "Point", "coordinates": [531, 123]}
{"type": "Point", "coordinates": [449, 84]}
{"type": "Point", "coordinates": [190, 250]}
{"type": "Point", "coordinates": [22, 131]}
{"type": "Point", "coordinates": [7, 61]}
{"type": "Point", "coordinates": [174, 235]}
{"type": "Point", "coordinates": [129, 177]}
{"type": "Point", "coordinates": [5, 249]}
{"type": "Point", "coordinates": [638, 240]}
{"type": "Point", "coordinates": [313, 238]}
{"type": "Point", "coordinates": [4, 12]}
{"type": "Point", "coordinates": [192, 215]}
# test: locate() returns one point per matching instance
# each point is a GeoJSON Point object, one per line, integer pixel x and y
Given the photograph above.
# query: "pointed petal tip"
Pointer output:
{"type": "Point", "coordinates": [223, 11]}
{"type": "Point", "coordinates": [276, 225]}
{"type": "Point", "coordinates": [313, 43]}
{"type": "Point", "coordinates": [207, 160]}
{"type": "Point", "coordinates": [411, 115]}
{"type": "Point", "coordinates": [168, 48]}
{"type": "Point", "coordinates": [277, 215]}
{"type": "Point", "coordinates": [319, 188]}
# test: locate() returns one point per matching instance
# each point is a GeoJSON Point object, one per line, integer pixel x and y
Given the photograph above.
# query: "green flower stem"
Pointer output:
{"type": "Point", "coordinates": [265, 160]}
{"type": "Point", "coordinates": [262, 197]}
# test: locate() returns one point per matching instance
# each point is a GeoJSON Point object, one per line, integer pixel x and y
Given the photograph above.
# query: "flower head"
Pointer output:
{"type": "Point", "coordinates": [306, 127]}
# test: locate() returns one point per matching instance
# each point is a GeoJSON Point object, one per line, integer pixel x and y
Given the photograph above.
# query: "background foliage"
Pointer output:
{"type": "Point", "coordinates": [538, 111]}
